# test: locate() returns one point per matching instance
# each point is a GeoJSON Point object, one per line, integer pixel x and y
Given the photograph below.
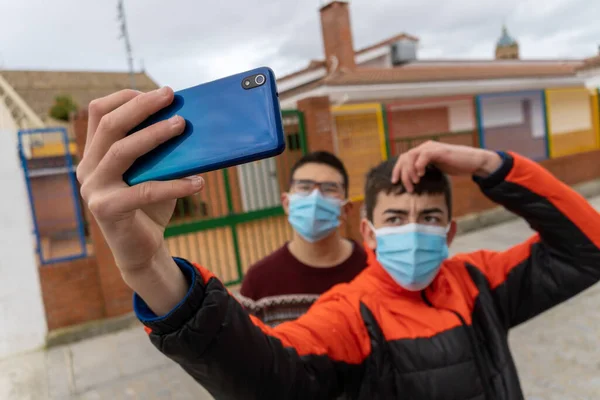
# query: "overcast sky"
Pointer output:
{"type": "Point", "coordinates": [186, 42]}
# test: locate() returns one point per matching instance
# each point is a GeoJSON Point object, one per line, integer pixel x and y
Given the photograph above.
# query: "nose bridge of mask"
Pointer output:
{"type": "Point", "coordinates": [411, 237]}
{"type": "Point", "coordinates": [411, 228]}
{"type": "Point", "coordinates": [315, 204]}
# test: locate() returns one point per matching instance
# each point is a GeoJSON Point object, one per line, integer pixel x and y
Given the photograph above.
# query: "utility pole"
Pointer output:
{"type": "Point", "coordinates": [125, 35]}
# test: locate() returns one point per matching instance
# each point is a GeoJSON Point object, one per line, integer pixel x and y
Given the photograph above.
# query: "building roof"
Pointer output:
{"type": "Point", "coordinates": [39, 88]}
{"type": "Point", "coordinates": [430, 72]}
{"type": "Point", "coordinates": [590, 63]}
{"type": "Point", "coordinates": [316, 64]}
{"type": "Point", "coordinates": [388, 42]}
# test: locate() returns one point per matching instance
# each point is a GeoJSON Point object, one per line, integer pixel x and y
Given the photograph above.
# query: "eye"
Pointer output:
{"type": "Point", "coordinates": [394, 221]}
{"type": "Point", "coordinates": [431, 219]}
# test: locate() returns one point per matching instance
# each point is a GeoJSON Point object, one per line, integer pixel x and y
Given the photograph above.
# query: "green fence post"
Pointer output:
{"type": "Point", "coordinates": [234, 236]}
{"type": "Point", "coordinates": [385, 130]}
{"type": "Point", "coordinates": [302, 132]}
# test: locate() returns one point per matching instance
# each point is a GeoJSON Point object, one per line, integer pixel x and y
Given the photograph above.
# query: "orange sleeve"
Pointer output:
{"type": "Point", "coordinates": [234, 355]}
{"type": "Point", "coordinates": [559, 261]}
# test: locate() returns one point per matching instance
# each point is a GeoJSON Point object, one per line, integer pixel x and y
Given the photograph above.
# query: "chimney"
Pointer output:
{"type": "Point", "coordinates": [337, 35]}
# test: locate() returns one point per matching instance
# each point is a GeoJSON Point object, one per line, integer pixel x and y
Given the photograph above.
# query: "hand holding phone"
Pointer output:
{"type": "Point", "coordinates": [230, 121]}
{"type": "Point", "coordinates": [133, 218]}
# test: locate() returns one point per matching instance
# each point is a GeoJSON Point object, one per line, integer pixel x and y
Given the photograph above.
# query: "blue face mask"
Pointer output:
{"type": "Point", "coordinates": [412, 254]}
{"type": "Point", "coordinates": [314, 217]}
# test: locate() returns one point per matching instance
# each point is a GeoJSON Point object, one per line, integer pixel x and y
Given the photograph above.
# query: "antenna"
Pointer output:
{"type": "Point", "coordinates": [125, 36]}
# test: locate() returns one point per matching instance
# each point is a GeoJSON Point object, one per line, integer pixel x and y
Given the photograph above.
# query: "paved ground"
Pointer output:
{"type": "Point", "coordinates": [558, 353]}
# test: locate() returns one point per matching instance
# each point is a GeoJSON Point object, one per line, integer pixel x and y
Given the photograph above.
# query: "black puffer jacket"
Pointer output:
{"type": "Point", "coordinates": [370, 339]}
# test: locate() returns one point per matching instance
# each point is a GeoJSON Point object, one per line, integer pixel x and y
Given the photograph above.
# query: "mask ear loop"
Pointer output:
{"type": "Point", "coordinates": [372, 227]}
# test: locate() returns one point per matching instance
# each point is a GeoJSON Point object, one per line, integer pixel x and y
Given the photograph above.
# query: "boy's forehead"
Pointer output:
{"type": "Point", "coordinates": [316, 171]}
{"type": "Point", "coordinates": [409, 202]}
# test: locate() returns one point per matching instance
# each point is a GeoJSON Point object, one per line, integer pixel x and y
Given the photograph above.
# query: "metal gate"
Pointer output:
{"type": "Point", "coordinates": [238, 219]}
{"type": "Point", "coordinates": [53, 193]}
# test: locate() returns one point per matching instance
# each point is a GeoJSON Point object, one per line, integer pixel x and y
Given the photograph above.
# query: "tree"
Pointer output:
{"type": "Point", "coordinates": [63, 107]}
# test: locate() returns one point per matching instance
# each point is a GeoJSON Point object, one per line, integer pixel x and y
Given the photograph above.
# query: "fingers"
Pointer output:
{"type": "Point", "coordinates": [123, 153]}
{"type": "Point", "coordinates": [152, 192]}
{"type": "Point", "coordinates": [102, 106]}
{"type": "Point", "coordinates": [411, 165]}
{"type": "Point", "coordinates": [406, 172]}
{"type": "Point", "coordinates": [127, 199]}
{"type": "Point", "coordinates": [116, 124]}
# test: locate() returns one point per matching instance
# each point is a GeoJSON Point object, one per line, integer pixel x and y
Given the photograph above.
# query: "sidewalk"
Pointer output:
{"type": "Point", "coordinates": [558, 353]}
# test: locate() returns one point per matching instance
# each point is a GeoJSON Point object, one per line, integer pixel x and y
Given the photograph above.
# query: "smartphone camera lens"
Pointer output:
{"type": "Point", "coordinates": [259, 79]}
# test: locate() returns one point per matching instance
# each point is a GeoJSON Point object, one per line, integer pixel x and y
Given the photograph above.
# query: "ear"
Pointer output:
{"type": "Point", "coordinates": [368, 234]}
{"type": "Point", "coordinates": [346, 210]}
{"type": "Point", "coordinates": [451, 233]}
{"type": "Point", "coordinates": [285, 202]}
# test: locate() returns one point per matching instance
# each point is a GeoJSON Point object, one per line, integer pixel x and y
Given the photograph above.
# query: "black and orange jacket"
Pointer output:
{"type": "Point", "coordinates": [370, 339]}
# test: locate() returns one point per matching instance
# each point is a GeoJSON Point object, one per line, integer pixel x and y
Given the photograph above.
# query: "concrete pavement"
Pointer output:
{"type": "Point", "coordinates": [558, 353]}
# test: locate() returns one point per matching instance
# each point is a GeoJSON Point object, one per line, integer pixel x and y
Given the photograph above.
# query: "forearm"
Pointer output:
{"type": "Point", "coordinates": [161, 284]}
{"type": "Point", "coordinates": [559, 262]}
{"type": "Point", "coordinates": [562, 217]}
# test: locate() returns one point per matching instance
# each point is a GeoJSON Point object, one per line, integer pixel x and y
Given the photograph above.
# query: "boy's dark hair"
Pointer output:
{"type": "Point", "coordinates": [325, 158]}
{"type": "Point", "coordinates": [379, 179]}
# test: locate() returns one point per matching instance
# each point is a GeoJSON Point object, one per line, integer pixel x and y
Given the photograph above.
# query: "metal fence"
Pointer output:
{"type": "Point", "coordinates": [53, 194]}
{"type": "Point", "coordinates": [238, 219]}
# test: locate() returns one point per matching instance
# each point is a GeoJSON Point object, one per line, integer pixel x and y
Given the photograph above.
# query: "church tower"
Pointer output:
{"type": "Point", "coordinates": [507, 48]}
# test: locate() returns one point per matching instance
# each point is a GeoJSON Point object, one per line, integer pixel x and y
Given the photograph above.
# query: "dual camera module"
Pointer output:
{"type": "Point", "coordinates": [253, 81]}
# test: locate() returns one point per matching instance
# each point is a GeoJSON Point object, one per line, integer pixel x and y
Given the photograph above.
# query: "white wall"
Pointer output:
{"type": "Point", "coordinates": [461, 116]}
{"type": "Point", "coordinates": [22, 317]}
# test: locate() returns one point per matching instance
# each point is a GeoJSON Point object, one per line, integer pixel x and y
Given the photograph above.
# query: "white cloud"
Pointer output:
{"type": "Point", "coordinates": [185, 42]}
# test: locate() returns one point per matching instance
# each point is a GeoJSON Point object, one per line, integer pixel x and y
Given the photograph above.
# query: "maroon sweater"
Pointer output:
{"type": "Point", "coordinates": [280, 288]}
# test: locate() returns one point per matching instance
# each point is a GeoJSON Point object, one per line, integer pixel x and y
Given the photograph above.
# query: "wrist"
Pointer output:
{"type": "Point", "coordinates": [490, 163]}
{"type": "Point", "coordinates": [160, 283]}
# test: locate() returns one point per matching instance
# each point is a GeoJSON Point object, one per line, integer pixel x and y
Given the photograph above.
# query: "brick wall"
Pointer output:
{"type": "Point", "coordinates": [337, 35]}
{"type": "Point", "coordinates": [71, 293]}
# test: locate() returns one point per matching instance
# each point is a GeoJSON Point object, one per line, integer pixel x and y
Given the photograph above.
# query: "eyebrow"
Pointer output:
{"type": "Point", "coordinates": [395, 211]}
{"type": "Point", "coordinates": [405, 212]}
{"type": "Point", "coordinates": [432, 210]}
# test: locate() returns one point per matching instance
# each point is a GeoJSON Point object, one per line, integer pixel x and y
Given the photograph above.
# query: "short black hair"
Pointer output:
{"type": "Point", "coordinates": [325, 158]}
{"type": "Point", "coordinates": [379, 179]}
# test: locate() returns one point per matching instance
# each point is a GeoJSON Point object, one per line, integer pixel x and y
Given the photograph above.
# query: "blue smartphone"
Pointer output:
{"type": "Point", "coordinates": [230, 121]}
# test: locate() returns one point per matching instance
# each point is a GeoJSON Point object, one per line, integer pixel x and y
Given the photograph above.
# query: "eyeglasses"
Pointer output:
{"type": "Point", "coordinates": [327, 189]}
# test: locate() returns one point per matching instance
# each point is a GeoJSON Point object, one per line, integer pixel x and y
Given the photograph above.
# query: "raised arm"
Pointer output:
{"type": "Point", "coordinates": [558, 262]}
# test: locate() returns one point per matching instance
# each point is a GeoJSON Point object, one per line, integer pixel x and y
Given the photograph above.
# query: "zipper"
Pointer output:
{"type": "Point", "coordinates": [474, 348]}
